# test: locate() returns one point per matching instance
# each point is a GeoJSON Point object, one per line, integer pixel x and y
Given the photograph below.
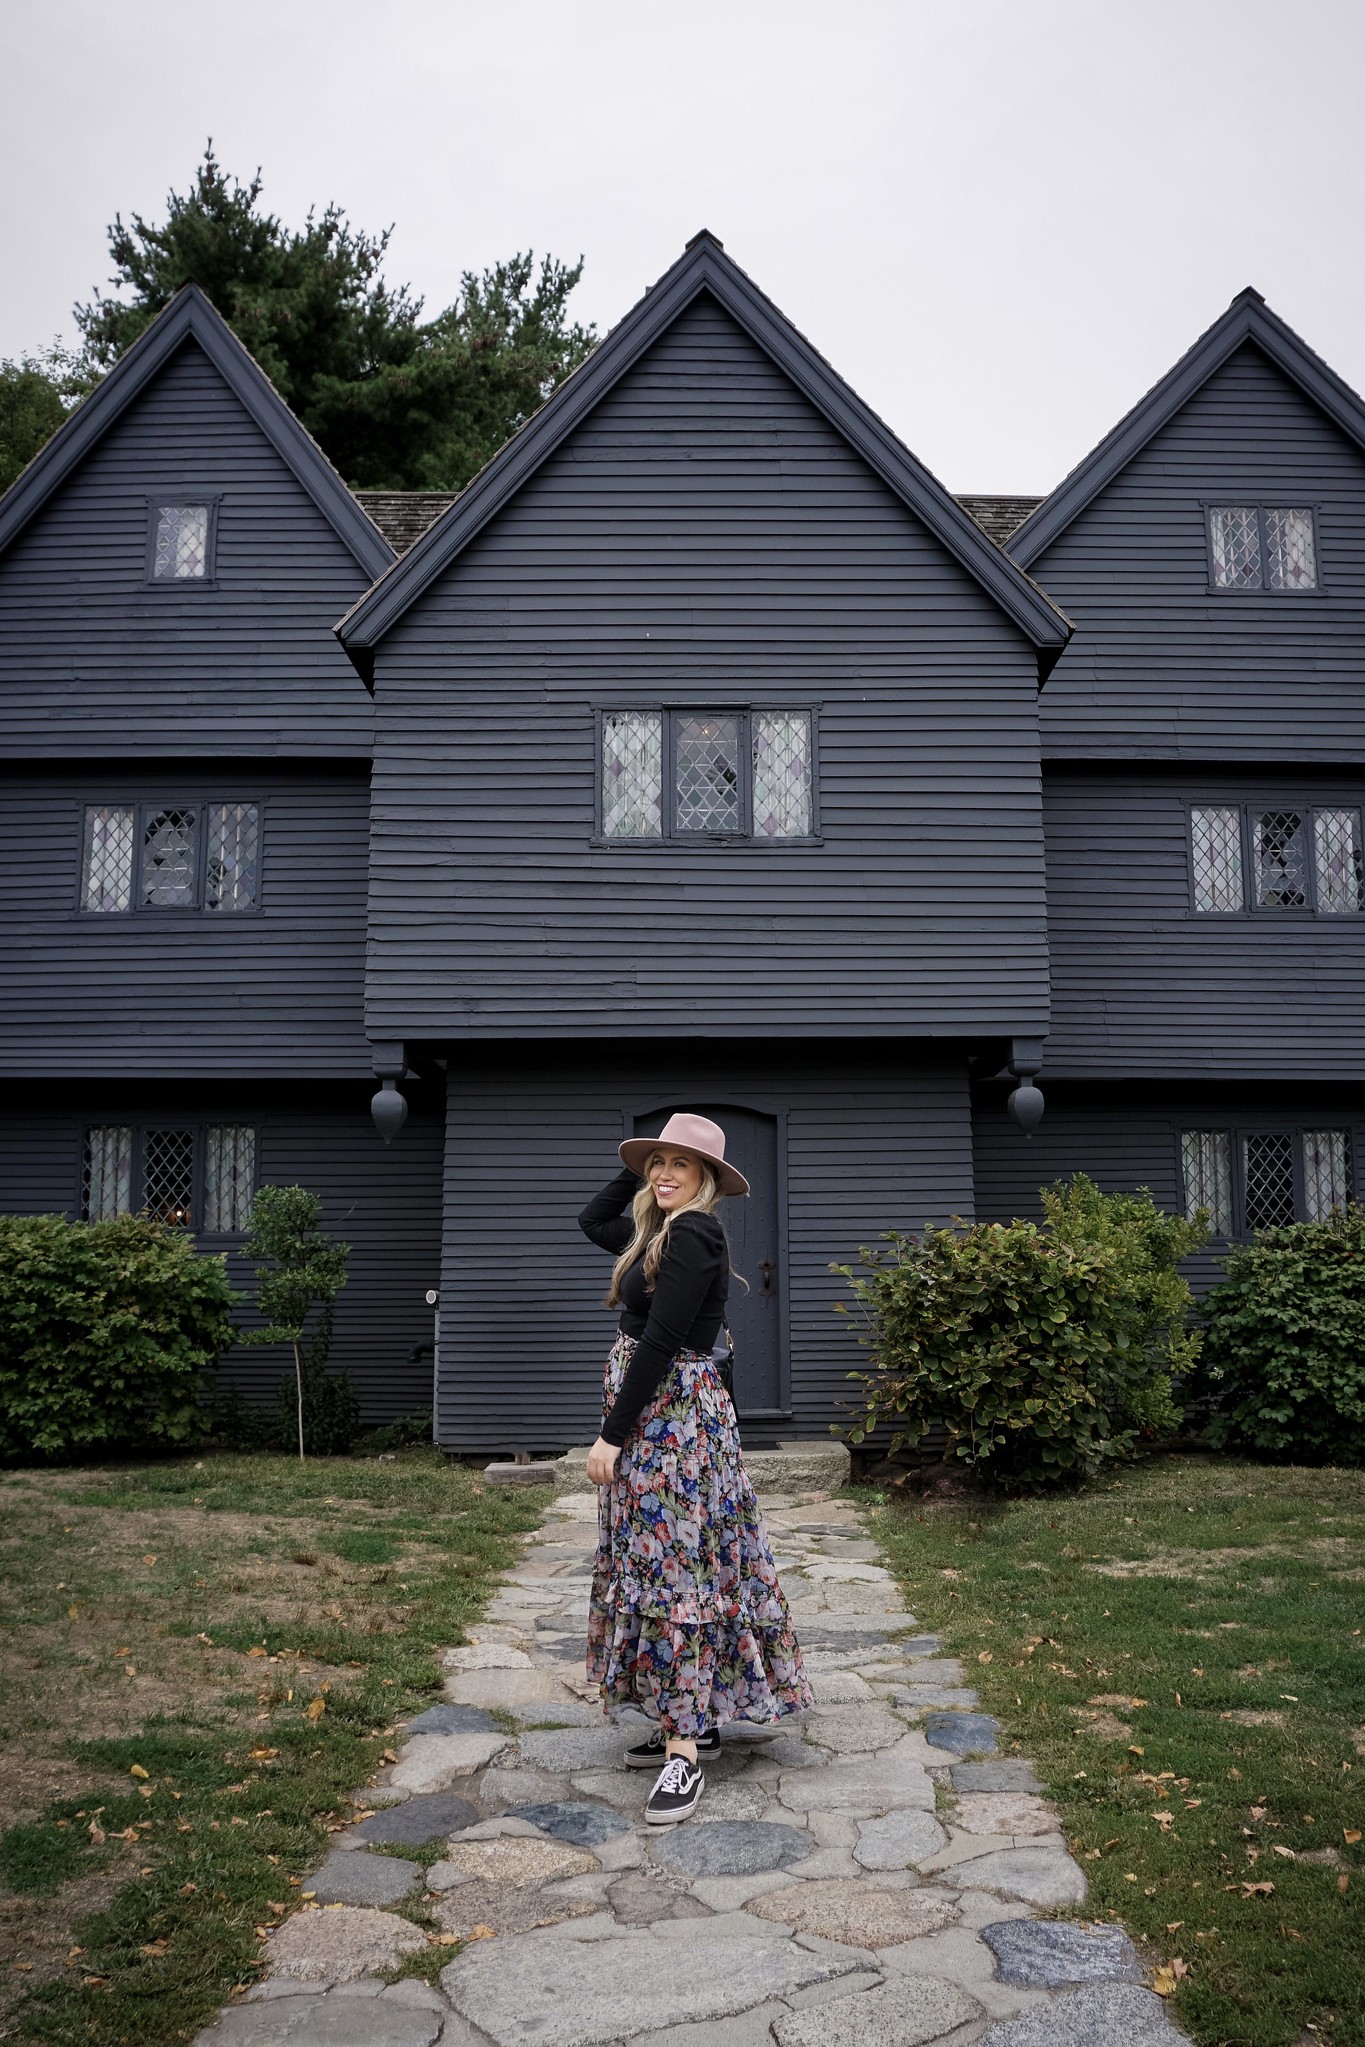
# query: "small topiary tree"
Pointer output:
{"type": "Point", "coordinates": [1284, 1343]}
{"type": "Point", "coordinates": [303, 1272]}
{"type": "Point", "coordinates": [109, 1332]}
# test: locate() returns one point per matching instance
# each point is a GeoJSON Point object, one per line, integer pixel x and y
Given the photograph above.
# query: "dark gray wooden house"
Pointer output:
{"type": "Point", "coordinates": [704, 752]}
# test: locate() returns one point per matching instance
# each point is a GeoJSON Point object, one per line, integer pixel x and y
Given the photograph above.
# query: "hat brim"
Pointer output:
{"type": "Point", "coordinates": [636, 1150]}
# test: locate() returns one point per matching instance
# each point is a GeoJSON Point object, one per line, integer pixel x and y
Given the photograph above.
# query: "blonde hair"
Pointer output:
{"type": "Point", "coordinates": [650, 1233]}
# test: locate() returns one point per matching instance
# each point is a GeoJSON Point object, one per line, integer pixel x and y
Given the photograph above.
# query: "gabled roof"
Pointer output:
{"type": "Point", "coordinates": [403, 516]}
{"type": "Point", "coordinates": [703, 267]}
{"type": "Point", "coordinates": [1248, 318]}
{"type": "Point", "coordinates": [190, 316]}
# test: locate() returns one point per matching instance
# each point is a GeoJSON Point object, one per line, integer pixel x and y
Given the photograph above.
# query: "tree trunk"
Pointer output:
{"type": "Point", "coordinates": [298, 1378]}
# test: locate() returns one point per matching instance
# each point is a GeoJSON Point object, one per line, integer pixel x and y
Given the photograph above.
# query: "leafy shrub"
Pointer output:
{"type": "Point", "coordinates": [108, 1333]}
{"type": "Point", "coordinates": [1284, 1345]}
{"type": "Point", "coordinates": [399, 1434]}
{"type": "Point", "coordinates": [1039, 1351]}
{"type": "Point", "coordinates": [303, 1272]}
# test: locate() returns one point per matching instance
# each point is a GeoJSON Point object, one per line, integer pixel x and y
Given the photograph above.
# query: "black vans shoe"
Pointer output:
{"type": "Point", "coordinates": [675, 1795]}
{"type": "Point", "coordinates": [651, 1754]}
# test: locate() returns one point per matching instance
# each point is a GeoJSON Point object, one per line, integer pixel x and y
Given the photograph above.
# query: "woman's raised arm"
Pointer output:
{"type": "Point", "coordinates": [604, 1219]}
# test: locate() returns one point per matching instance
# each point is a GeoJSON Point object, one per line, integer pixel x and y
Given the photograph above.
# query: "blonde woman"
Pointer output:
{"type": "Point", "coordinates": [687, 1619]}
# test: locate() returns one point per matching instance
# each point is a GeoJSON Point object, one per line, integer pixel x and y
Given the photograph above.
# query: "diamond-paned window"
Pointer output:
{"type": "Point", "coordinates": [1291, 551]}
{"type": "Point", "coordinates": [231, 869]}
{"type": "Point", "coordinates": [1326, 1172]}
{"type": "Point", "coordinates": [1268, 1179]}
{"type": "Point", "coordinates": [169, 846]}
{"type": "Point", "coordinates": [782, 774]}
{"type": "Point", "coordinates": [1235, 535]}
{"type": "Point", "coordinates": [632, 774]}
{"type": "Point", "coordinates": [107, 1172]}
{"type": "Point", "coordinates": [229, 1177]}
{"type": "Point", "coordinates": [706, 782]}
{"type": "Point", "coordinates": [168, 1176]}
{"type": "Point", "coordinates": [181, 550]}
{"type": "Point", "coordinates": [1206, 1163]}
{"type": "Point", "coordinates": [1216, 842]}
{"type": "Point", "coordinates": [1338, 868]}
{"type": "Point", "coordinates": [1281, 860]}
{"type": "Point", "coordinates": [107, 861]}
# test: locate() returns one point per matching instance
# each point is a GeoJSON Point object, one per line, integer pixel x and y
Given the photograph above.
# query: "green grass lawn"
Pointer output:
{"type": "Point", "coordinates": [200, 1660]}
{"type": "Point", "coordinates": [1180, 1652]}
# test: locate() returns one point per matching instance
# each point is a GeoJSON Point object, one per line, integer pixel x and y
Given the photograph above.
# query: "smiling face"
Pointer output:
{"type": "Point", "coordinates": [674, 1176]}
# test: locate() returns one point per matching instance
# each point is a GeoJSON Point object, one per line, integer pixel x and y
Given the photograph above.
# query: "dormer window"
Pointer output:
{"type": "Point", "coordinates": [695, 775]}
{"type": "Point", "coordinates": [182, 543]}
{"type": "Point", "coordinates": [1263, 547]}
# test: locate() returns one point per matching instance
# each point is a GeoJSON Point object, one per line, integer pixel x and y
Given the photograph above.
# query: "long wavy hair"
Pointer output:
{"type": "Point", "coordinates": [651, 1227]}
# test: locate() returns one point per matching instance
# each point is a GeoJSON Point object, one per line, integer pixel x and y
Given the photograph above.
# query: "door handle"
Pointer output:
{"type": "Point", "coordinates": [767, 1267]}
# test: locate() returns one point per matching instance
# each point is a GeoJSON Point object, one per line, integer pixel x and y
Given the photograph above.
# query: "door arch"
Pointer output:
{"type": "Point", "coordinates": [757, 1234]}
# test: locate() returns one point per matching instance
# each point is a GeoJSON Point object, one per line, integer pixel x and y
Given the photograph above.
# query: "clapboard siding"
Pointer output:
{"type": "Point", "coordinates": [1127, 1138]}
{"type": "Point", "coordinates": [1160, 666]}
{"type": "Point", "coordinates": [385, 1203]}
{"type": "Point", "coordinates": [705, 537]}
{"type": "Point", "coordinates": [876, 1138]}
{"type": "Point", "coordinates": [94, 661]}
{"type": "Point", "coordinates": [1141, 984]}
{"type": "Point", "coordinates": [276, 990]}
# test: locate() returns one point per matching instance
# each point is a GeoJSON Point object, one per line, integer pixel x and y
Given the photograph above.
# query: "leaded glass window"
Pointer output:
{"type": "Point", "coordinates": [1206, 1162]}
{"type": "Point", "coordinates": [1263, 547]}
{"type": "Point", "coordinates": [632, 774]}
{"type": "Point", "coordinates": [107, 1172]}
{"type": "Point", "coordinates": [233, 856]}
{"type": "Point", "coordinates": [1281, 860]}
{"type": "Point", "coordinates": [1268, 1179]}
{"type": "Point", "coordinates": [1216, 836]}
{"type": "Point", "coordinates": [1338, 867]}
{"type": "Point", "coordinates": [181, 549]}
{"type": "Point", "coordinates": [169, 848]}
{"type": "Point", "coordinates": [168, 1176]}
{"type": "Point", "coordinates": [229, 1177]}
{"type": "Point", "coordinates": [107, 861]}
{"type": "Point", "coordinates": [782, 774]}
{"type": "Point", "coordinates": [706, 781]}
{"type": "Point", "coordinates": [1326, 1172]}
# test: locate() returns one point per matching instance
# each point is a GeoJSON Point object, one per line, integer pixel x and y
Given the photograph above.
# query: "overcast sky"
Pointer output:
{"type": "Point", "coordinates": [1001, 220]}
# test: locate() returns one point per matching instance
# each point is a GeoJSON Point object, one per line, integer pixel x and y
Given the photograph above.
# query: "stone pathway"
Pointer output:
{"type": "Point", "coordinates": [870, 1875]}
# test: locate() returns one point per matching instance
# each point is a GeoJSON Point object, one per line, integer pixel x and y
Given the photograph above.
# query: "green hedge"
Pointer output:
{"type": "Point", "coordinates": [108, 1334]}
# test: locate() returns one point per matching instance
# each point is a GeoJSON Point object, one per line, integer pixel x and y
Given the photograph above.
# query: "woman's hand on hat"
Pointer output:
{"type": "Point", "coordinates": [602, 1462]}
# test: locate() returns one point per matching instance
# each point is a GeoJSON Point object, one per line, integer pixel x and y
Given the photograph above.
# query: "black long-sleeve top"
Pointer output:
{"type": "Point", "coordinates": [683, 1312]}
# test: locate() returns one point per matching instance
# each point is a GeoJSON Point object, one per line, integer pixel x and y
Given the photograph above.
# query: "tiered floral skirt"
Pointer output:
{"type": "Point", "coordinates": [687, 1619]}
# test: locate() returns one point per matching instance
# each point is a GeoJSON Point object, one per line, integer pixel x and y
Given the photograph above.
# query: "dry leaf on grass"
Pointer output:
{"type": "Point", "coordinates": [1168, 1976]}
{"type": "Point", "coordinates": [136, 1770]}
{"type": "Point", "coordinates": [314, 1710]}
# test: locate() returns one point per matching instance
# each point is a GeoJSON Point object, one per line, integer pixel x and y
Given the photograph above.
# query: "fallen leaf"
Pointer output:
{"type": "Point", "coordinates": [444, 1939]}
{"type": "Point", "coordinates": [1134, 1751]}
{"type": "Point", "coordinates": [1343, 1883]}
{"type": "Point", "coordinates": [314, 1710]}
{"type": "Point", "coordinates": [149, 1560]}
{"type": "Point", "coordinates": [481, 1933]}
{"type": "Point", "coordinates": [255, 1652]}
{"type": "Point", "coordinates": [188, 1890]}
{"type": "Point", "coordinates": [1165, 1820]}
{"type": "Point", "coordinates": [1350, 1835]}
{"type": "Point", "coordinates": [154, 1947]}
{"type": "Point", "coordinates": [130, 1670]}
{"type": "Point", "coordinates": [985, 1656]}
{"type": "Point", "coordinates": [1174, 1925]}
{"type": "Point", "coordinates": [73, 1613]}
{"type": "Point", "coordinates": [263, 1755]}
{"type": "Point", "coordinates": [1276, 1849]}
{"type": "Point", "coordinates": [97, 1834]}
{"type": "Point", "coordinates": [205, 1638]}
{"type": "Point", "coordinates": [136, 1770]}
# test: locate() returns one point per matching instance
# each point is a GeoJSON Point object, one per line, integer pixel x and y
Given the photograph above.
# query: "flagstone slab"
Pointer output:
{"type": "Point", "coordinates": [451, 1720]}
{"type": "Point", "coordinates": [898, 1840]}
{"type": "Point", "coordinates": [843, 1600]}
{"type": "Point", "coordinates": [908, 2012]}
{"type": "Point", "coordinates": [1098, 2015]}
{"type": "Point", "coordinates": [1009, 1774]}
{"type": "Point", "coordinates": [558, 1992]}
{"type": "Point", "coordinates": [840, 1688]}
{"type": "Point", "coordinates": [962, 1734]}
{"type": "Point", "coordinates": [432, 1762]}
{"type": "Point", "coordinates": [583, 1826]}
{"type": "Point", "coordinates": [476, 1910]}
{"type": "Point", "coordinates": [415, 1822]}
{"type": "Point", "coordinates": [1040, 1876]}
{"type": "Point", "coordinates": [508, 1785]}
{"type": "Point", "coordinates": [564, 1712]}
{"type": "Point", "coordinates": [845, 1571]}
{"type": "Point", "coordinates": [738, 1801]}
{"type": "Point", "coordinates": [337, 1945]}
{"type": "Point", "coordinates": [1048, 1954]}
{"type": "Point", "coordinates": [486, 1656]}
{"type": "Point", "coordinates": [853, 1729]}
{"type": "Point", "coordinates": [507, 1689]}
{"type": "Point", "coordinates": [574, 1748]}
{"type": "Point", "coordinates": [865, 1785]}
{"type": "Point", "coordinates": [332, 2018]}
{"type": "Point", "coordinates": [732, 1848]}
{"type": "Point", "coordinates": [639, 1900]}
{"type": "Point", "coordinates": [855, 1913]}
{"type": "Point", "coordinates": [361, 1879]}
{"type": "Point", "coordinates": [930, 1698]}
{"type": "Point", "coordinates": [1005, 1812]}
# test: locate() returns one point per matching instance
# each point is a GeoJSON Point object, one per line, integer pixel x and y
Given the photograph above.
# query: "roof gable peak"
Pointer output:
{"type": "Point", "coordinates": [191, 316]}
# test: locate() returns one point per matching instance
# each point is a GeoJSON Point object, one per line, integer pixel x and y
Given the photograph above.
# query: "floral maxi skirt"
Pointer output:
{"type": "Point", "coordinates": [687, 1620]}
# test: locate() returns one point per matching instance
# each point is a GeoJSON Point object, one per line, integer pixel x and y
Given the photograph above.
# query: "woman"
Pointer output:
{"type": "Point", "coordinates": [687, 1618]}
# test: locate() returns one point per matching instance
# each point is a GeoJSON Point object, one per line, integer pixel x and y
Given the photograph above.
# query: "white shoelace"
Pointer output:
{"type": "Point", "coordinates": [673, 1776]}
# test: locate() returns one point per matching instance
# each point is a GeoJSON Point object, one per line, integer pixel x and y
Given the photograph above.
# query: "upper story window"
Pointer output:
{"type": "Point", "coordinates": [694, 775]}
{"type": "Point", "coordinates": [1248, 858]}
{"type": "Point", "coordinates": [1263, 547]}
{"type": "Point", "coordinates": [1258, 1179]}
{"type": "Point", "coordinates": [182, 538]}
{"type": "Point", "coordinates": [199, 1177]}
{"type": "Point", "coordinates": [152, 856]}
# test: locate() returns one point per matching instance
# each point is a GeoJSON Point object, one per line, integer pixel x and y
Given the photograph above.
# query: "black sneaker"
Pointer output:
{"type": "Point", "coordinates": [649, 1755]}
{"type": "Point", "coordinates": [675, 1795]}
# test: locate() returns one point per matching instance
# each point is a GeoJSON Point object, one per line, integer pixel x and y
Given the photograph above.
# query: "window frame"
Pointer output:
{"type": "Point", "coordinates": [1237, 1133]}
{"type": "Point", "coordinates": [1262, 590]}
{"type": "Point", "coordinates": [1248, 809]}
{"type": "Point", "coordinates": [179, 584]}
{"type": "Point", "coordinates": [670, 838]}
{"type": "Point", "coordinates": [199, 1125]}
{"type": "Point", "coordinates": [144, 807]}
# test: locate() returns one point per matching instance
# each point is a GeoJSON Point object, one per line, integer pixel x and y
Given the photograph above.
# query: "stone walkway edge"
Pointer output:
{"type": "Point", "coordinates": [868, 1874]}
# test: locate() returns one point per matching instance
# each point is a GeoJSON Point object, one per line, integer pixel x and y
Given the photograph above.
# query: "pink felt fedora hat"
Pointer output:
{"type": "Point", "coordinates": [688, 1133]}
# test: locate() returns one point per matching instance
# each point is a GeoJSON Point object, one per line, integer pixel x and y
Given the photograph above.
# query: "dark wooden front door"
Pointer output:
{"type": "Point", "coordinates": [755, 1315]}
